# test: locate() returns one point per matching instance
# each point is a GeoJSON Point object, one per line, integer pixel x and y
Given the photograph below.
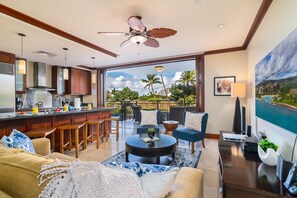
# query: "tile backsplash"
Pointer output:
{"type": "Point", "coordinates": [37, 95]}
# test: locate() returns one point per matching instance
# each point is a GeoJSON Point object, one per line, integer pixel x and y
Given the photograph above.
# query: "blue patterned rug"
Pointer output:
{"type": "Point", "coordinates": [183, 157]}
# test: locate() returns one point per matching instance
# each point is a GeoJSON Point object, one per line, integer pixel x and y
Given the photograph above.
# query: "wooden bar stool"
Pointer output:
{"type": "Point", "coordinates": [108, 128]}
{"type": "Point", "coordinates": [98, 136]}
{"type": "Point", "coordinates": [68, 145]}
{"type": "Point", "coordinates": [43, 132]}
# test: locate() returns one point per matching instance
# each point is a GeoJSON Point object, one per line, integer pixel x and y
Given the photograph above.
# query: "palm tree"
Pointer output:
{"type": "Point", "coordinates": [150, 81]}
{"type": "Point", "coordinates": [188, 78]}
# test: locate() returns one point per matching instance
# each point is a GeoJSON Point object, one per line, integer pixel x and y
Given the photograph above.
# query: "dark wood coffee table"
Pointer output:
{"type": "Point", "coordinates": [165, 146]}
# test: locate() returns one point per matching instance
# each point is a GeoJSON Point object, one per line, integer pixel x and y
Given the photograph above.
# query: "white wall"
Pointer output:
{"type": "Point", "coordinates": [279, 22]}
{"type": "Point", "coordinates": [221, 108]}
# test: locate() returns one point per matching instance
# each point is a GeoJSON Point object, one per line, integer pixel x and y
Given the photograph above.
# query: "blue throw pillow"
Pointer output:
{"type": "Point", "coordinates": [141, 169]}
{"type": "Point", "coordinates": [18, 139]}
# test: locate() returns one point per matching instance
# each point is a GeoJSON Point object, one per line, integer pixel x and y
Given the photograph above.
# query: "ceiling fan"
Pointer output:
{"type": "Point", "coordinates": [139, 34]}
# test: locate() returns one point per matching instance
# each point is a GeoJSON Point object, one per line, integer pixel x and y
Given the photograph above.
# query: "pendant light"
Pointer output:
{"type": "Point", "coordinates": [93, 75]}
{"type": "Point", "coordinates": [21, 62]}
{"type": "Point", "coordinates": [65, 70]}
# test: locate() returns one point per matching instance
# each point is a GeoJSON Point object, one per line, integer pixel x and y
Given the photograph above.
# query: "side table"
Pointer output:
{"type": "Point", "coordinates": [170, 125]}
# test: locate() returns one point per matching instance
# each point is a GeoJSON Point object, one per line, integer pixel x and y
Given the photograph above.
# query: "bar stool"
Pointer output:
{"type": "Point", "coordinates": [43, 132]}
{"type": "Point", "coordinates": [97, 124]}
{"type": "Point", "coordinates": [108, 127]}
{"type": "Point", "coordinates": [68, 145]}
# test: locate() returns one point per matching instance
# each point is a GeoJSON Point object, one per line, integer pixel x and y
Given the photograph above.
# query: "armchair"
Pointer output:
{"type": "Point", "coordinates": [190, 134]}
{"type": "Point", "coordinates": [136, 112]}
{"type": "Point", "coordinates": [145, 124]}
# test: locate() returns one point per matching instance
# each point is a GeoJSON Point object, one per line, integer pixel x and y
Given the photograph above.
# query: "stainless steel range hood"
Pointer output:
{"type": "Point", "coordinates": [39, 77]}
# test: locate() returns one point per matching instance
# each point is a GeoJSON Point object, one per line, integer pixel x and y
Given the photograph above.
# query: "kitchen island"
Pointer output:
{"type": "Point", "coordinates": [26, 122]}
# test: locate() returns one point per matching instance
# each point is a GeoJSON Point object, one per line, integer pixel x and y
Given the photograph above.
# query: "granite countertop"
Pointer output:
{"type": "Point", "coordinates": [29, 114]}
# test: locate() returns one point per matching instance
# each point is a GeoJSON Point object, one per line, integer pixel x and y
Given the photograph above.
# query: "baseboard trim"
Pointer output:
{"type": "Point", "coordinates": [212, 136]}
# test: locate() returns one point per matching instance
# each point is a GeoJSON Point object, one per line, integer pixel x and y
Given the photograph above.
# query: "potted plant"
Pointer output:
{"type": "Point", "coordinates": [151, 132]}
{"type": "Point", "coordinates": [268, 152]}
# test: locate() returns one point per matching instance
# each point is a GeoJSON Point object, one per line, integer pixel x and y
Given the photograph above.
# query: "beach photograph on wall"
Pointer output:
{"type": "Point", "coordinates": [276, 85]}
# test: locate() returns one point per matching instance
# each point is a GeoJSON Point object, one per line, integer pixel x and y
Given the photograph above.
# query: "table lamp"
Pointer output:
{"type": "Point", "coordinates": [238, 90]}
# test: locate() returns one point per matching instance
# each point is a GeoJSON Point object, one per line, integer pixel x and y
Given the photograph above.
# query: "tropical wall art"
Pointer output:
{"type": "Point", "coordinates": [276, 85]}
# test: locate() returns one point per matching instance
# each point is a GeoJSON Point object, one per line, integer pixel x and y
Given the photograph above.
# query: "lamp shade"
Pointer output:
{"type": "Point", "coordinates": [94, 78]}
{"type": "Point", "coordinates": [22, 66]}
{"type": "Point", "coordinates": [238, 89]}
{"type": "Point", "coordinates": [159, 68]}
{"type": "Point", "coordinates": [65, 74]}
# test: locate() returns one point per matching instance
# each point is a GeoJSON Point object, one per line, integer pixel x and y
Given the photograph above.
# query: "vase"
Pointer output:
{"type": "Point", "coordinates": [151, 135]}
{"type": "Point", "coordinates": [269, 157]}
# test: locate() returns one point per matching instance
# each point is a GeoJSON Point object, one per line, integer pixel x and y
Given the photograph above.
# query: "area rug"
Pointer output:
{"type": "Point", "coordinates": [183, 157]}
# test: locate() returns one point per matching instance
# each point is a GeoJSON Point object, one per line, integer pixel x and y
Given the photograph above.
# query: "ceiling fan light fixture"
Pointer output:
{"type": "Point", "coordinates": [138, 39]}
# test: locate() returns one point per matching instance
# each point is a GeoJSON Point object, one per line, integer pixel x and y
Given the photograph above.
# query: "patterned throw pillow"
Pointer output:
{"type": "Point", "coordinates": [18, 140]}
{"type": "Point", "coordinates": [193, 120]}
{"type": "Point", "coordinates": [141, 169]}
{"type": "Point", "coordinates": [149, 117]}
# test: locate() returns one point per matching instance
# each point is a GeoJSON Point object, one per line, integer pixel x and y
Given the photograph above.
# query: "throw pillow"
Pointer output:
{"type": "Point", "coordinates": [139, 168]}
{"type": "Point", "coordinates": [149, 117]}
{"type": "Point", "coordinates": [193, 120]}
{"type": "Point", "coordinates": [157, 185]}
{"type": "Point", "coordinates": [18, 139]}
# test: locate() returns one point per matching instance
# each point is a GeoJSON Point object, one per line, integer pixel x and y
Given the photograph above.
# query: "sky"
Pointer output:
{"type": "Point", "coordinates": [280, 63]}
{"type": "Point", "coordinates": [131, 77]}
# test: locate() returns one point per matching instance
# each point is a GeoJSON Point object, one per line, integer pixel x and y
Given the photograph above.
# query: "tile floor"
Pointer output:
{"type": "Point", "coordinates": [207, 163]}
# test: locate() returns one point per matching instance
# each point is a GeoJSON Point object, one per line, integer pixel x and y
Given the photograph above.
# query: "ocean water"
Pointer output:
{"type": "Point", "coordinates": [267, 98]}
{"type": "Point", "coordinates": [278, 115]}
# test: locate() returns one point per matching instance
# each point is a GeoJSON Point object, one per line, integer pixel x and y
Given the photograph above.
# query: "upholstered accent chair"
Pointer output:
{"type": "Point", "coordinates": [136, 112]}
{"type": "Point", "coordinates": [146, 118]}
{"type": "Point", "coordinates": [177, 113]}
{"type": "Point", "coordinates": [190, 134]}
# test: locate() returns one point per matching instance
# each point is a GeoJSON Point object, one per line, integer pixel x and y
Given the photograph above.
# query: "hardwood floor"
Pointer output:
{"type": "Point", "coordinates": [207, 163]}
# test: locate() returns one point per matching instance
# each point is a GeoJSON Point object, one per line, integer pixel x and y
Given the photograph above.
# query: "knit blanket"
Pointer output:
{"type": "Point", "coordinates": [88, 179]}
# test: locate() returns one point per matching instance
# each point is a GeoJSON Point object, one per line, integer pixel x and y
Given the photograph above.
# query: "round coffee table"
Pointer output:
{"type": "Point", "coordinates": [165, 146]}
{"type": "Point", "coordinates": [170, 125]}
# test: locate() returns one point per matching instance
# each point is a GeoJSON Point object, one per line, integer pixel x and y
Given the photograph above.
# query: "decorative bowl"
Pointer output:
{"type": "Point", "coordinates": [269, 157]}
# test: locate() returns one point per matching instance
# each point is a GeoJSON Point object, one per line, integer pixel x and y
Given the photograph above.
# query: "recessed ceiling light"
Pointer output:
{"type": "Point", "coordinates": [221, 25]}
{"type": "Point", "coordinates": [197, 1]}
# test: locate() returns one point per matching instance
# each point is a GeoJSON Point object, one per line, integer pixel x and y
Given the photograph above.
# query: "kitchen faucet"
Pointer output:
{"type": "Point", "coordinates": [59, 99]}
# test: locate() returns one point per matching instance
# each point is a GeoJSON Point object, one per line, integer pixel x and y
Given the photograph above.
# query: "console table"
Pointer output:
{"type": "Point", "coordinates": [244, 175]}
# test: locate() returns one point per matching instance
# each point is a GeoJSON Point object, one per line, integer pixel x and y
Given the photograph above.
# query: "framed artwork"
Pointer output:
{"type": "Point", "coordinates": [222, 85]}
{"type": "Point", "coordinates": [276, 85]}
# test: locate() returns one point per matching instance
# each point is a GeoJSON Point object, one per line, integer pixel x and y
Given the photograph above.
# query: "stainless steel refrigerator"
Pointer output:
{"type": "Point", "coordinates": [7, 90]}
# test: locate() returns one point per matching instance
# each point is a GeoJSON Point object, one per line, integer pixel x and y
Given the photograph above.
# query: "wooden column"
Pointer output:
{"type": "Point", "coordinates": [200, 84]}
{"type": "Point", "coordinates": [99, 88]}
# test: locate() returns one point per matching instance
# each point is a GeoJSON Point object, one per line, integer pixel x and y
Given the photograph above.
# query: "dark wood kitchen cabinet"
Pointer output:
{"type": "Point", "coordinates": [7, 58]}
{"type": "Point", "coordinates": [20, 79]}
{"type": "Point", "coordinates": [79, 82]}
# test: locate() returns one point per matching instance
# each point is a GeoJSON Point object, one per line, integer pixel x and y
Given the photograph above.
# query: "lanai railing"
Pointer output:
{"type": "Point", "coordinates": [124, 107]}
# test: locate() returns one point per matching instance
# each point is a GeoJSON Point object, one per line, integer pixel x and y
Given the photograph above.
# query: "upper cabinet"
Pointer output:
{"type": "Point", "coordinates": [20, 79]}
{"type": "Point", "coordinates": [7, 58]}
{"type": "Point", "coordinates": [79, 82]}
{"type": "Point", "coordinates": [58, 82]}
